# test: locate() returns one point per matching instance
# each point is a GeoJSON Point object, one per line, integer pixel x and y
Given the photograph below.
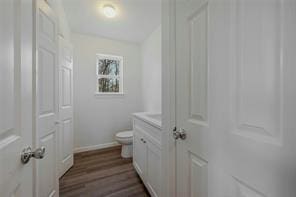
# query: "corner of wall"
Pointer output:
{"type": "Point", "coordinates": [151, 71]}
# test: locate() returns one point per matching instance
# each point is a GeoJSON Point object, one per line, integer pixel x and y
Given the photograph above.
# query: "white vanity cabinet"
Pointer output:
{"type": "Point", "coordinates": [147, 153]}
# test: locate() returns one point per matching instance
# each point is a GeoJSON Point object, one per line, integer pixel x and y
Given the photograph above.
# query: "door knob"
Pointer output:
{"type": "Point", "coordinates": [181, 134]}
{"type": "Point", "coordinates": [27, 154]}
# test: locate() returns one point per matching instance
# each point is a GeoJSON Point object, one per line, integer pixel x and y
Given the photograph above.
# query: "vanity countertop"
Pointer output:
{"type": "Point", "coordinates": [151, 118]}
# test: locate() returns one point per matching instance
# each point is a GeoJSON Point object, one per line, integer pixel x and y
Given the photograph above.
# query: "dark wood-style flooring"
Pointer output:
{"type": "Point", "coordinates": [102, 173]}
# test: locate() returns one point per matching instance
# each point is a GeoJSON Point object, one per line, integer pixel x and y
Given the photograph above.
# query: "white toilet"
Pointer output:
{"type": "Point", "coordinates": [125, 138]}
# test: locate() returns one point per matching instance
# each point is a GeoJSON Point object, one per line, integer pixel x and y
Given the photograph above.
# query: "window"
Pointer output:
{"type": "Point", "coordinates": [109, 74]}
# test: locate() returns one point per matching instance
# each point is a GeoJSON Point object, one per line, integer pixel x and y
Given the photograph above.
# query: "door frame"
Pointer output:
{"type": "Point", "coordinates": [168, 21]}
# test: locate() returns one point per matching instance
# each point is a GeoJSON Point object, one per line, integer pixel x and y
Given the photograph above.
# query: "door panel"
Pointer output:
{"type": "Point", "coordinates": [198, 176]}
{"type": "Point", "coordinates": [258, 72]}
{"type": "Point", "coordinates": [198, 66]}
{"type": "Point", "coordinates": [46, 75]}
{"type": "Point", "coordinates": [192, 97]}
{"type": "Point", "coordinates": [65, 106]}
{"type": "Point", "coordinates": [47, 25]}
{"type": "Point", "coordinates": [47, 172]}
{"type": "Point", "coordinates": [16, 129]}
{"type": "Point", "coordinates": [46, 99]}
{"type": "Point", "coordinates": [234, 98]}
{"type": "Point", "coordinates": [66, 86]}
{"type": "Point", "coordinates": [67, 136]}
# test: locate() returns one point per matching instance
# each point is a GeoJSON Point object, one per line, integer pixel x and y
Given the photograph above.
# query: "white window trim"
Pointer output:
{"type": "Point", "coordinates": [120, 76]}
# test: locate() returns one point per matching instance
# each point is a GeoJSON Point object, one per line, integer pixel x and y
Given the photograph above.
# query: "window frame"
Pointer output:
{"type": "Point", "coordinates": [119, 77]}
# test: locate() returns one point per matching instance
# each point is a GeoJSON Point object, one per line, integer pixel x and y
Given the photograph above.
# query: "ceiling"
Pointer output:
{"type": "Point", "coordinates": [135, 20]}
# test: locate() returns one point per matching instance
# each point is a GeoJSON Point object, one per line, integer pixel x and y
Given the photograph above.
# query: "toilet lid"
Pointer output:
{"type": "Point", "coordinates": [125, 134]}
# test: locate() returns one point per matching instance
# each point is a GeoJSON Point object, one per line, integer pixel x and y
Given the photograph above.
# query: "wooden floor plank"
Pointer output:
{"type": "Point", "coordinates": [102, 173]}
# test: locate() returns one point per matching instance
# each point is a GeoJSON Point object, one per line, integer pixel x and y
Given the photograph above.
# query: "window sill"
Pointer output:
{"type": "Point", "coordinates": [108, 95]}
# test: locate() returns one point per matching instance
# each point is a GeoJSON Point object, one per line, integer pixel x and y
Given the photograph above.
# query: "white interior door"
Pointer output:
{"type": "Point", "coordinates": [46, 99]}
{"type": "Point", "coordinates": [16, 179]}
{"type": "Point", "coordinates": [65, 106]}
{"type": "Point", "coordinates": [192, 98]}
{"type": "Point", "coordinates": [235, 87]}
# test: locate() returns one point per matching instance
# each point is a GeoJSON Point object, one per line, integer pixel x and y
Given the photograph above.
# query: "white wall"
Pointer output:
{"type": "Point", "coordinates": [151, 72]}
{"type": "Point", "coordinates": [97, 119]}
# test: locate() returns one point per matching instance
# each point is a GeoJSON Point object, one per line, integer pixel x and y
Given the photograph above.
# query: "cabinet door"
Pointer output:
{"type": "Point", "coordinates": [140, 155]}
{"type": "Point", "coordinates": [153, 168]}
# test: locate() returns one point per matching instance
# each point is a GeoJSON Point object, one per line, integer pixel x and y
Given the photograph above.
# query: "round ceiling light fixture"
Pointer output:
{"type": "Point", "coordinates": [109, 11]}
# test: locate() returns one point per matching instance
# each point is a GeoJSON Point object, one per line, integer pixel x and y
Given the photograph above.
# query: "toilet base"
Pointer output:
{"type": "Point", "coordinates": [127, 151]}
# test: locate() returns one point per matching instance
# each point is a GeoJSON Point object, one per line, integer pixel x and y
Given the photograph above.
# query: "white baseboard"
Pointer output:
{"type": "Point", "coordinates": [95, 147]}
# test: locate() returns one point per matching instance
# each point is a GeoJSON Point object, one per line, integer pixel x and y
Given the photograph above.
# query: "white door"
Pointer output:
{"type": "Point", "coordinates": [236, 93]}
{"type": "Point", "coordinates": [16, 179]}
{"type": "Point", "coordinates": [65, 106]}
{"type": "Point", "coordinates": [46, 99]}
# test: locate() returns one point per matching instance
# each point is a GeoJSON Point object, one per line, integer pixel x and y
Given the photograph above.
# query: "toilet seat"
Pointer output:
{"type": "Point", "coordinates": [125, 134]}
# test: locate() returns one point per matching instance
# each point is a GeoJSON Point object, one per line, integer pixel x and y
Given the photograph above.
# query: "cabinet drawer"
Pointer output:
{"type": "Point", "coordinates": [151, 132]}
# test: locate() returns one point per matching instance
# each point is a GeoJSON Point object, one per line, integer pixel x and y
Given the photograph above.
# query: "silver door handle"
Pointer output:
{"type": "Point", "coordinates": [181, 134]}
{"type": "Point", "coordinates": [27, 154]}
